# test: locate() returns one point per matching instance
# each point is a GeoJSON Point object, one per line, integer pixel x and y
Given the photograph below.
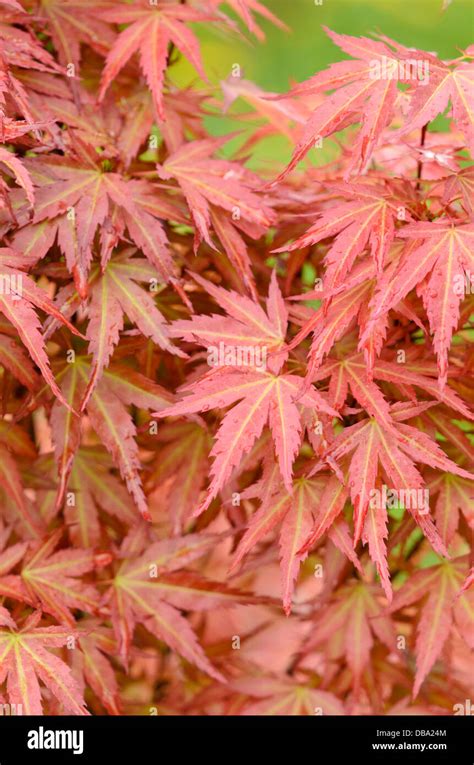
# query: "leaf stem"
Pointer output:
{"type": "Point", "coordinates": [420, 161]}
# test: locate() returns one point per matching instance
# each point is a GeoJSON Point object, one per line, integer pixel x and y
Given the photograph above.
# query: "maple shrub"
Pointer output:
{"type": "Point", "coordinates": [236, 438]}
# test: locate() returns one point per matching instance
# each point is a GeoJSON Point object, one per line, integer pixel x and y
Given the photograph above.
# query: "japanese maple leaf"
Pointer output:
{"type": "Point", "coordinates": [440, 421]}
{"type": "Point", "coordinates": [445, 605]}
{"type": "Point", "coordinates": [181, 464]}
{"type": "Point", "coordinates": [77, 196]}
{"type": "Point", "coordinates": [439, 264]}
{"type": "Point", "coordinates": [347, 627]}
{"type": "Point", "coordinates": [275, 117]}
{"type": "Point", "coordinates": [51, 578]}
{"type": "Point", "coordinates": [246, 323]}
{"type": "Point", "coordinates": [96, 490]}
{"type": "Point", "coordinates": [365, 219]}
{"type": "Point", "coordinates": [245, 9]}
{"type": "Point", "coordinates": [16, 361]}
{"type": "Point", "coordinates": [356, 96]}
{"type": "Point", "coordinates": [16, 304]}
{"type": "Point", "coordinates": [122, 127]}
{"type": "Point", "coordinates": [107, 408]}
{"type": "Point", "coordinates": [21, 47]}
{"type": "Point", "coordinates": [460, 186]}
{"type": "Point", "coordinates": [350, 372]}
{"type": "Point", "coordinates": [11, 584]}
{"type": "Point", "coordinates": [152, 28]}
{"type": "Point", "coordinates": [449, 82]}
{"type": "Point", "coordinates": [454, 495]}
{"type": "Point", "coordinates": [70, 23]}
{"type": "Point", "coordinates": [211, 186]}
{"type": "Point", "coordinates": [20, 52]}
{"type": "Point", "coordinates": [152, 589]}
{"type": "Point", "coordinates": [96, 645]}
{"type": "Point", "coordinates": [396, 446]}
{"type": "Point", "coordinates": [26, 658]}
{"type": "Point", "coordinates": [420, 374]}
{"type": "Point", "coordinates": [114, 293]}
{"type": "Point", "coordinates": [329, 519]}
{"type": "Point", "coordinates": [263, 397]}
{"type": "Point", "coordinates": [294, 512]}
{"type": "Point", "coordinates": [346, 308]}
{"type": "Point", "coordinates": [285, 697]}
{"type": "Point", "coordinates": [14, 444]}
{"type": "Point", "coordinates": [266, 396]}
{"type": "Point", "coordinates": [21, 174]}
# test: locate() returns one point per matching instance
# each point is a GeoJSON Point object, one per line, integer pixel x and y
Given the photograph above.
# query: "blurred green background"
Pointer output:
{"type": "Point", "coordinates": [285, 57]}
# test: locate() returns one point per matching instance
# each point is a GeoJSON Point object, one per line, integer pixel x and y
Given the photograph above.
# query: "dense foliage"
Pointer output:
{"type": "Point", "coordinates": [236, 436]}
